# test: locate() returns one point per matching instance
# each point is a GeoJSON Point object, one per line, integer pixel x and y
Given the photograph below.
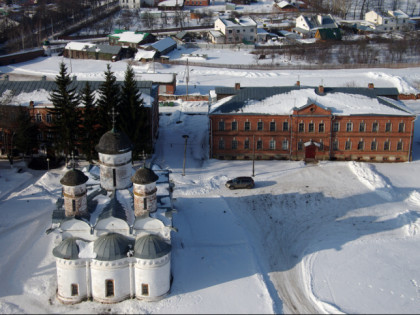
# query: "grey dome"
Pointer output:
{"type": "Point", "coordinates": [151, 247]}
{"type": "Point", "coordinates": [111, 246]}
{"type": "Point", "coordinates": [114, 142]}
{"type": "Point", "coordinates": [144, 176]}
{"type": "Point", "coordinates": [67, 249]}
{"type": "Point", "coordinates": [74, 178]}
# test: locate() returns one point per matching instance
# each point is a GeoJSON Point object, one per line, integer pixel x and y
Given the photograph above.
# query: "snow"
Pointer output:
{"type": "Point", "coordinates": [338, 103]}
{"type": "Point", "coordinates": [326, 238]}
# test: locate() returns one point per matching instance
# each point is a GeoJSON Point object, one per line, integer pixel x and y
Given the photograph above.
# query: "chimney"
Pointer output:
{"type": "Point", "coordinates": [44, 78]}
{"type": "Point", "coordinates": [321, 89]}
{"type": "Point", "coordinates": [31, 104]}
{"type": "Point", "coordinates": [371, 86]}
{"type": "Point", "coordinates": [6, 77]}
{"type": "Point", "coordinates": [297, 83]}
{"type": "Point", "coordinates": [74, 78]}
{"type": "Point", "coordinates": [237, 86]}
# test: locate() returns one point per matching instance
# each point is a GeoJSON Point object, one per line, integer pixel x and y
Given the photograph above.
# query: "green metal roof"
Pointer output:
{"type": "Point", "coordinates": [112, 246]}
{"type": "Point", "coordinates": [67, 249]}
{"type": "Point", "coordinates": [151, 247]}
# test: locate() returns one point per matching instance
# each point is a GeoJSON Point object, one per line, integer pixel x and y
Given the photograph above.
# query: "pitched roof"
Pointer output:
{"type": "Point", "coordinates": [113, 209]}
{"type": "Point", "coordinates": [282, 100]}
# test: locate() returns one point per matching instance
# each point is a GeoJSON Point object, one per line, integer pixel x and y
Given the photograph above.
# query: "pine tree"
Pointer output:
{"type": "Point", "coordinates": [89, 131]}
{"type": "Point", "coordinates": [109, 98]}
{"type": "Point", "coordinates": [132, 118]}
{"type": "Point", "coordinates": [26, 131]}
{"type": "Point", "coordinates": [65, 124]}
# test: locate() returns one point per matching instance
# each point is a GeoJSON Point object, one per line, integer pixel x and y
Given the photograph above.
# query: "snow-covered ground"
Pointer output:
{"type": "Point", "coordinates": [326, 238]}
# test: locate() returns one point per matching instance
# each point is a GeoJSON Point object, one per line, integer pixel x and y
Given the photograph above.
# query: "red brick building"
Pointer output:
{"type": "Point", "coordinates": [34, 97]}
{"type": "Point", "coordinates": [307, 123]}
{"type": "Point", "coordinates": [196, 2]}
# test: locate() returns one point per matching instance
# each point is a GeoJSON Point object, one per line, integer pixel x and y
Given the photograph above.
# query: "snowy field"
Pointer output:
{"type": "Point", "coordinates": [326, 238]}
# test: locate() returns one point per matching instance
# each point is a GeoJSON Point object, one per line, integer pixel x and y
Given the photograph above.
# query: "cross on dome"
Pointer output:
{"type": "Point", "coordinates": [114, 120]}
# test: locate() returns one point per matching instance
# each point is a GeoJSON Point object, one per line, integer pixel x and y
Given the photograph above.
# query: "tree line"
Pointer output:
{"type": "Point", "coordinates": [79, 119]}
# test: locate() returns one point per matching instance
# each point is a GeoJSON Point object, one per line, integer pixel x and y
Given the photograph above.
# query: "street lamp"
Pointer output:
{"type": "Point", "coordinates": [48, 164]}
{"type": "Point", "coordinates": [185, 153]}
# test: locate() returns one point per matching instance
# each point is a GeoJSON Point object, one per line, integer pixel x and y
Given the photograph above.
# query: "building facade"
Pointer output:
{"type": "Point", "coordinates": [297, 123]}
{"type": "Point", "coordinates": [237, 30]}
{"type": "Point", "coordinates": [390, 21]}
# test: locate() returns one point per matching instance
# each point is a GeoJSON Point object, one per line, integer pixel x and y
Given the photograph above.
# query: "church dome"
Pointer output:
{"type": "Point", "coordinates": [114, 142]}
{"type": "Point", "coordinates": [67, 249]}
{"type": "Point", "coordinates": [74, 178]}
{"type": "Point", "coordinates": [151, 247]}
{"type": "Point", "coordinates": [111, 246]}
{"type": "Point", "coordinates": [144, 176]}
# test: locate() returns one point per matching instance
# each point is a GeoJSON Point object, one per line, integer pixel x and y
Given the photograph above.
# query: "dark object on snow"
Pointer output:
{"type": "Point", "coordinates": [240, 182]}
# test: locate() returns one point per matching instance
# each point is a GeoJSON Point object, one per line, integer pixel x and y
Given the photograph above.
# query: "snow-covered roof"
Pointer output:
{"type": "Point", "coordinates": [163, 44]}
{"type": "Point", "coordinates": [171, 3]}
{"type": "Point", "coordinates": [243, 21]}
{"type": "Point", "coordinates": [156, 77]}
{"type": "Point", "coordinates": [282, 101]}
{"type": "Point", "coordinates": [130, 37]}
{"type": "Point", "coordinates": [144, 54]}
{"type": "Point", "coordinates": [283, 4]}
{"type": "Point", "coordinates": [78, 45]}
{"type": "Point", "coordinates": [22, 92]}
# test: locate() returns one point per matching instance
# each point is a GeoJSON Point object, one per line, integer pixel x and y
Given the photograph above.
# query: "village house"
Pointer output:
{"type": "Point", "coordinates": [310, 123]}
{"type": "Point", "coordinates": [286, 6]}
{"type": "Point", "coordinates": [130, 39]}
{"type": "Point", "coordinates": [83, 50]}
{"type": "Point", "coordinates": [196, 2]}
{"type": "Point", "coordinates": [33, 96]}
{"type": "Point", "coordinates": [307, 26]}
{"type": "Point", "coordinates": [390, 21]}
{"type": "Point", "coordinates": [236, 30]}
{"type": "Point", "coordinates": [161, 47]}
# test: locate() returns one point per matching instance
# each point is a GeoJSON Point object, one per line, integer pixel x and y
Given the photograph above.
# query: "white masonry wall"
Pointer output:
{"type": "Point", "coordinates": [123, 169]}
{"type": "Point", "coordinates": [156, 273]}
{"type": "Point", "coordinates": [71, 272]}
{"type": "Point", "coordinates": [118, 271]}
{"type": "Point", "coordinates": [144, 192]}
{"type": "Point", "coordinates": [77, 193]}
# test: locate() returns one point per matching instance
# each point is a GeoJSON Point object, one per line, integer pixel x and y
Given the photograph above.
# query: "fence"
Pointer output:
{"type": "Point", "coordinates": [277, 66]}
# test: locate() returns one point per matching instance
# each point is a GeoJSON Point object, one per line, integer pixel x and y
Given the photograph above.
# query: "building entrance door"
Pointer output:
{"type": "Point", "coordinates": [310, 152]}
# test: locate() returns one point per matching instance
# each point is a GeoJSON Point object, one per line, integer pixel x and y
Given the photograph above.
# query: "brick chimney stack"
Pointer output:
{"type": "Point", "coordinates": [371, 86]}
{"type": "Point", "coordinates": [321, 89]}
{"type": "Point", "coordinates": [297, 83]}
{"type": "Point", "coordinates": [237, 86]}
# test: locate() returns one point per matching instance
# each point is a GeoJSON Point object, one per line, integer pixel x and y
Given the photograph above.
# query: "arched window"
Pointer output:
{"type": "Point", "coordinates": [109, 288]}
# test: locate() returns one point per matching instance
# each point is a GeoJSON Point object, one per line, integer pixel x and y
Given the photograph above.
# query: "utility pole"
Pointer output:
{"type": "Point", "coordinates": [185, 154]}
{"type": "Point", "coordinates": [187, 78]}
{"type": "Point", "coordinates": [253, 155]}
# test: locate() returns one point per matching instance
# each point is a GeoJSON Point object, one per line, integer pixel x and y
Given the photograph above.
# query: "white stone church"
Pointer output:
{"type": "Point", "coordinates": [113, 229]}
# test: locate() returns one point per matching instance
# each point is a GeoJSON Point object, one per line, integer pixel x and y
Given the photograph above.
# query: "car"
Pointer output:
{"type": "Point", "coordinates": [240, 182]}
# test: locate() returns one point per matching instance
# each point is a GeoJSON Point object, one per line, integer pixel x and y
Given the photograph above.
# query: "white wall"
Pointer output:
{"type": "Point", "coordinates": [156, 273]}
{"type": "Point", "coordinates": [117, 270]}
{"type": "Point", "coordinates": [71, 272]}
{"type": "Point", "coordinates": [122, 165]}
